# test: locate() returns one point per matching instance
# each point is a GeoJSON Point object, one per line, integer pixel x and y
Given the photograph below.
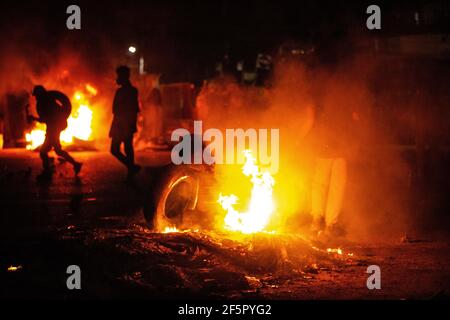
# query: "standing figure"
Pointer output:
{"type": "Point", "coordinates": [328, 190]}
{"type": "Point", "coordinates": [154, 99]}
{"type": "Point", "coordinates": [151, 133]}
{"type": "Point", "coordinates": [123, 128]}
{"type": "Point", "coordinates": [53, 108]}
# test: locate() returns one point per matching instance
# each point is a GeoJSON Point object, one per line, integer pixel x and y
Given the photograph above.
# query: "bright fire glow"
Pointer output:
{"type": "Point", "coordinates": [331, 250]}
{"type": "Point", "coordinates": [36, 137]}
{"type": "Point", "coordinates": [339, 251]}
{"type": "Point", "coordinates": [170, 230]}
{"type": "Point", "coordinates": [261, 205]}
{"type": "Point", "coordinates": [91, 89]}
{"type": "Point", "coordinates": [79, 123]}
{"type": "Point", "coordinates": [14, 268]}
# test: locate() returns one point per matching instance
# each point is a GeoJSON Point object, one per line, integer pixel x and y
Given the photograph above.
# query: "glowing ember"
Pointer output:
{"type": "Point", "coordinates": [338, 250]}
{"type": "Point", "coordinates": [170, 230]}
{"type": "Point", "coordinates": [14, 268]}
{"type": "Point", "coordinates": [78, 124]}
{"type": "Point", "coordinates": [261, 205]}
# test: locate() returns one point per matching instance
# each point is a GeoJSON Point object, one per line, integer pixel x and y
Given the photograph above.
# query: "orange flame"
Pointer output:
{"type": "Point", "coordinates": [79, 123]}
{"type": "Point", "coordinates": [261, 205]}
{"type": "Point", "coordinates": [170, 230]}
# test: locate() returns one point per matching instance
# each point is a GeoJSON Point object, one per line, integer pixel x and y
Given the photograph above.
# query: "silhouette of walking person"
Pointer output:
{"type": "Point", "coordinates": [53, 108]}
{"type": "Point", "coordinates": [123, 127]}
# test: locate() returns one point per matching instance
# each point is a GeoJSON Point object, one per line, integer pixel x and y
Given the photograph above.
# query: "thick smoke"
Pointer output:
{"type": "Point", "coordinates": [321, 112]}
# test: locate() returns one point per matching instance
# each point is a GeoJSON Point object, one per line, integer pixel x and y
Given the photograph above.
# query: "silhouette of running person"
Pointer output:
{"type": "Point", "coordinates": [53, 108]}
{"type": "Point", "coordinates": [123, 127]}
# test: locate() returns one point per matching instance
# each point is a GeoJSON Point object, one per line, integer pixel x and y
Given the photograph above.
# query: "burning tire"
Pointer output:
{"type": "Point", "coordinates": [177, 194]}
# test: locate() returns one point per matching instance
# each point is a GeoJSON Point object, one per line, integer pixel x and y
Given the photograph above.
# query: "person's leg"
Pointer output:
{"type": "Point", "coordinates": [64, 154]}
{"type": "Point", "coordinates": [336, 192]}
{"type": "Point", "coordinates": [43, 152]}
{"type": "Point", "coordinates": [319, 192]}
{"type": "Point", "coordinates": [115, 151]}
{"type": "Point", "coordinates": [51, 141]}
{"type": "Point", "coordinates": [129, 150]}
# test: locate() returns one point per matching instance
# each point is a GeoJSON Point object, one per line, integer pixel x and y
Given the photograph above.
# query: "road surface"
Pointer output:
{"type": "Point", "coordinates": [96, 222]}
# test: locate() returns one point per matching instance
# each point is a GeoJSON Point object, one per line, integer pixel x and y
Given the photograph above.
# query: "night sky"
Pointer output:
{"type": "Point", "coordinates": [178, 35]}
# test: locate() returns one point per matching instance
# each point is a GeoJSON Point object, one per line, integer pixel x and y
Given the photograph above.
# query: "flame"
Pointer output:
{"type": "Point", "coordinates": [170, 230]}
{"type": "Point", "coordinates": [339, 251]}
{"type": "Point", "coordinates": [91, 89]}
{"type": "Point", "coordinates": [331, 250]}
{"type": "Point", "coordinates": [261, 205]}
{"type": "Point", "coordinates": [14, 268]}
{"type": "Point", "coordinates": [79, 123]}
{"type": "Point", "coordinates": [36, 137]}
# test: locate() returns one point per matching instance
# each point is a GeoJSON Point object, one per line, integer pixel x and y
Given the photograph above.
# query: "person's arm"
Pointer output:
{"type": "Point", "coordinates": [115, 106]}
{"type": "Point", "coordinates": [30, 117]}
{"type": "Point", "coordinates": [136, 101]}
{"type": "Point", "coordinates": [33, 118]}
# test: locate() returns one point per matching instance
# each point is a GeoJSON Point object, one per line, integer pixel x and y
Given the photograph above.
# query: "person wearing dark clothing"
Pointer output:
{"type": "Point", "coordinates": [53, 108]}
{"type": "Point", "coordinates": [125, 110]}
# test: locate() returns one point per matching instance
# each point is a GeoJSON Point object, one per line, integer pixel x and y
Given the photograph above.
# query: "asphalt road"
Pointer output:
{"type": "Point", "coordinates": [100, 191]}
{"type": "Point", "coordinates": [95, 221]}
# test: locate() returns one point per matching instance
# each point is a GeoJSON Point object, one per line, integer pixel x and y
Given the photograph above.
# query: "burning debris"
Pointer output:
{"type": "Point", "coordinates": [207, 262]}
{"type": "Point", "coordinates": [170, 230]}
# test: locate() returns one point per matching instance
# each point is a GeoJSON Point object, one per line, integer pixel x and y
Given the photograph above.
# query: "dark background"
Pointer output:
{"type": "Point", "coordinates": [183, 39]}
